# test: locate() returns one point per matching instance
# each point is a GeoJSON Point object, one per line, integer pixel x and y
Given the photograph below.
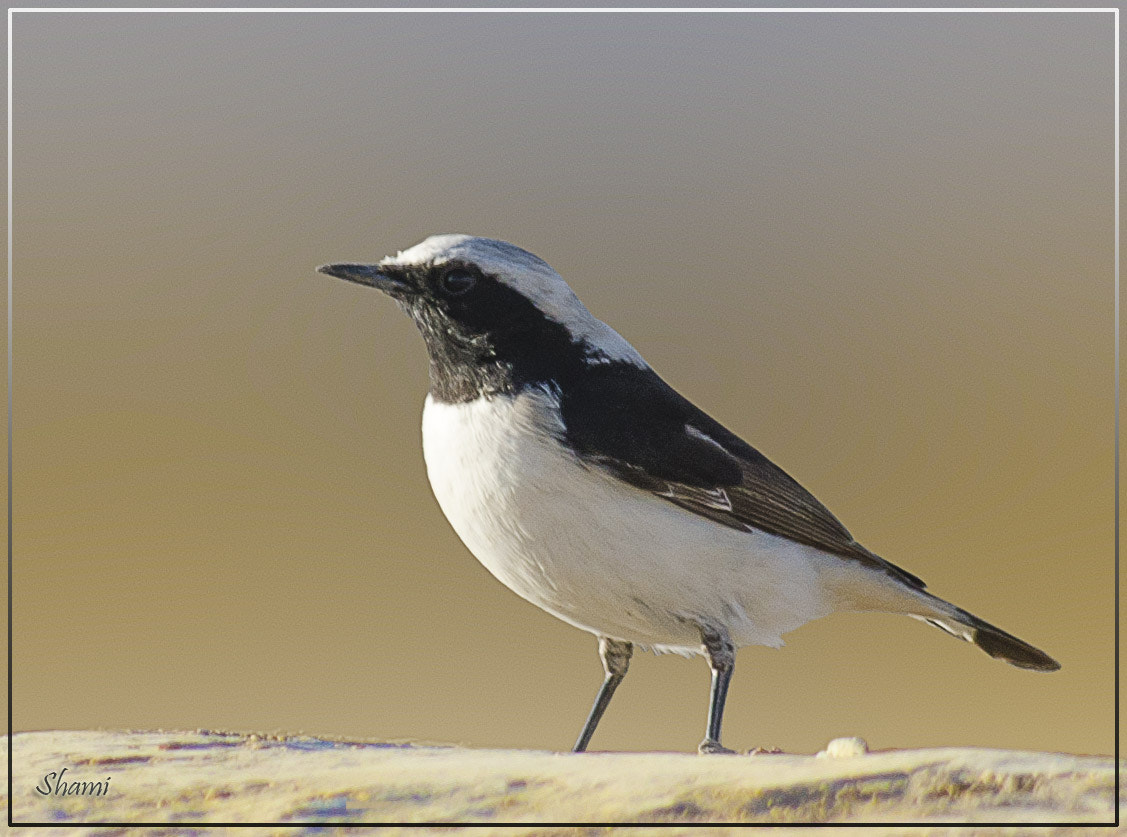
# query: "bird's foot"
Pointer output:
{"type": "Point", "coordinates": [710, 747]}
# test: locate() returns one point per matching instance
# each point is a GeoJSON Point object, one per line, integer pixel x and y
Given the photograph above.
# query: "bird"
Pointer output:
{"type": "Point", "coordinates": [591, 488]}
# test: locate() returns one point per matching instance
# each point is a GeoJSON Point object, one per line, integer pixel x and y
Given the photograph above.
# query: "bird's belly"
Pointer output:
{"type": "Point", "coordinates": [598, 553]}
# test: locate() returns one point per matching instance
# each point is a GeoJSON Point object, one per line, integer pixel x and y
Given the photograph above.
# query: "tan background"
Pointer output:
{"type": "Point", "coordinates": [879, 247]}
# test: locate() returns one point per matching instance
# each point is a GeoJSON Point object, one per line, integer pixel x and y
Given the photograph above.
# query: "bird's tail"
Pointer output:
{"type": "Point", "coordinates": [994, 641]}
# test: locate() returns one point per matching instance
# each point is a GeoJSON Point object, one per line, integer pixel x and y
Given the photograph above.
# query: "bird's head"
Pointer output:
{"type": "Point", "coordinates": [493, 316]}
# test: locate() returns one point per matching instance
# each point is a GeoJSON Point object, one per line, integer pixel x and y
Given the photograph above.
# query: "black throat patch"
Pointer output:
{"type": "Point", "coordinates": [496, 343]}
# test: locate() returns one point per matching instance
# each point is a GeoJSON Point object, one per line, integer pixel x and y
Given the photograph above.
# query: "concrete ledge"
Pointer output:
{"type": "Point", "coordinates": [200, 777]}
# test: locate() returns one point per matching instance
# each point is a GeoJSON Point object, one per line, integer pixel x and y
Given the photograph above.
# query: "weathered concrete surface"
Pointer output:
{"type": "Point", "coordinates": [189, 778]}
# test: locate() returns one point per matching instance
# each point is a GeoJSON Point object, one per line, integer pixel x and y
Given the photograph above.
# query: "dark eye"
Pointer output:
{"type": "Point", "coordinates": [458, 281]}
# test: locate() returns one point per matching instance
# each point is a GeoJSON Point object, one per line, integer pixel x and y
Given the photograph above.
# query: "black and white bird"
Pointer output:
{"type": "Point", "coordinates": [593, 489]}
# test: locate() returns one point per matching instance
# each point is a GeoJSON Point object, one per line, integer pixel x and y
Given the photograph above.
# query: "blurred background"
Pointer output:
{"type": "Point", "coordinates": [879, 247]}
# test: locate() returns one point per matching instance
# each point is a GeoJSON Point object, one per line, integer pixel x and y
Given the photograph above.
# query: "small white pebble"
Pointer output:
{"type": "Point", "coordinates": [844, 748]}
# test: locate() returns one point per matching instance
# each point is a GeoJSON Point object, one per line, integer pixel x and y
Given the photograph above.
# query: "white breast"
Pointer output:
{"type": "Point", "coordinates": [601, 554]}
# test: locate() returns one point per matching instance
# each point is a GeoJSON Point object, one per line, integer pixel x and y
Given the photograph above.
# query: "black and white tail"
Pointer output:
{"type": "Point", "coordinates": [994, 641]}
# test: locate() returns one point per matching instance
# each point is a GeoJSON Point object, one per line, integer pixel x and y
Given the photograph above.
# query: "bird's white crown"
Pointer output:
{"type": "Point", "coordinates": [529, 276]}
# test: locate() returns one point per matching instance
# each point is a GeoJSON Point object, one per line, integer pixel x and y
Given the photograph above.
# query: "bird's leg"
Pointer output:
{"type": "Point", "coordinates": [722, 660]}
{"type": "Point", "coordinates": [616, 659]}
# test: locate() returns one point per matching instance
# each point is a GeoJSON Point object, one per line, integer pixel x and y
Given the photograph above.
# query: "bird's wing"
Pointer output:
{"type": "Point", "coordinates": [627, 421]}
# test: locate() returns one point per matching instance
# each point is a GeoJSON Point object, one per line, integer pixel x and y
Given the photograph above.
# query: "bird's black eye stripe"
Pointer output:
{"type": "Point", "coordinates": [457, 281]}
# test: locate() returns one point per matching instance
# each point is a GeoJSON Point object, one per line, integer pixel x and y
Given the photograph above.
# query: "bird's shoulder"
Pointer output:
{"type": "Point", "coordinates": [627, 421]}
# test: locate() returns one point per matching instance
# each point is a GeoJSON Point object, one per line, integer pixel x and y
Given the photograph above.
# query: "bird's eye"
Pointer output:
{"type": "Point", "coordinates": [458, 281]}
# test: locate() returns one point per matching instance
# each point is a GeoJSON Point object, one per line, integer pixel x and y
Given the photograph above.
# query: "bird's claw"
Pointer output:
{"type": "Point", "coordinates": [709, 747]}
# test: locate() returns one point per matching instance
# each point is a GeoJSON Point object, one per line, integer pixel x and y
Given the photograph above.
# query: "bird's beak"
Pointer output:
{"type": "Point", "coordinates": [371, 275]}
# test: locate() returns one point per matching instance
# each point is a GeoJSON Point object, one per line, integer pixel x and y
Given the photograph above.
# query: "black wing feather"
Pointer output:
{"type": "Point", "coordinates": [628, 421]}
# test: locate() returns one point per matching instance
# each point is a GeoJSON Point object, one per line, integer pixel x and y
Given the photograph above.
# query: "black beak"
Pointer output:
{"type": "Point", "coordinates": [371, 275]}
